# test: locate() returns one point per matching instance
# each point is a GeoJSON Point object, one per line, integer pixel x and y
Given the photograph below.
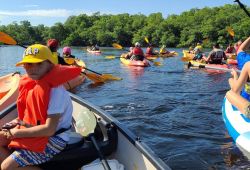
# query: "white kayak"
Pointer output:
{"type": "Point", "coordinates": [121, 147]}
{"type": "Point", "coordinates": [238, 126]}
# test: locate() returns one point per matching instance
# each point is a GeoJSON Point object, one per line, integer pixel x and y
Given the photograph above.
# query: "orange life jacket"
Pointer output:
{"type": "Point", "coordinates": [33, 101]}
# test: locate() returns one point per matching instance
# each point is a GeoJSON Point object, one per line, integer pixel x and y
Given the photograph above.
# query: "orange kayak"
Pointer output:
{"type": "Point", "coordinates": [8, 89]}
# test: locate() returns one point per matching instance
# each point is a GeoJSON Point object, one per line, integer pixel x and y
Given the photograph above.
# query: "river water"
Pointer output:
{"type": "Point", "coordinates": [174, 110]}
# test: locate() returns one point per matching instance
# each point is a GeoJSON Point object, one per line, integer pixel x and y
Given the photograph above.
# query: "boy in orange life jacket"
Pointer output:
{"type": "Point", "coordinates": [44, 107]}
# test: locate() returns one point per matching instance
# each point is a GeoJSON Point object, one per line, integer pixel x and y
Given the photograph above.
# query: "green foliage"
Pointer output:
{"type": "Point", "coordinates": [207, 25]}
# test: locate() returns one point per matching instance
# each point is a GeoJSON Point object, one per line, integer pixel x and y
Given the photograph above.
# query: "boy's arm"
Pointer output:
{"type": "Point", "coordinates": [47, 129]}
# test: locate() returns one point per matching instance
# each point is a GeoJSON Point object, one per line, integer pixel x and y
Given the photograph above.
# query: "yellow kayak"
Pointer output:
{"type": "Point", "coordinates": [138, 63]}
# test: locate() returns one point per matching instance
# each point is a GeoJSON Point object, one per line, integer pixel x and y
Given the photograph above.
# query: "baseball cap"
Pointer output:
{"type": "Point", "coordinates": [35, 54]}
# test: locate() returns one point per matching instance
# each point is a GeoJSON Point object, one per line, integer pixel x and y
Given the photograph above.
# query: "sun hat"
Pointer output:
{"type": "Point", "coordinates": [35, 54]}
{"type": "Point", "coordinates": [66, 50]}
{"type": "Point", "coordinates": [52, 43]}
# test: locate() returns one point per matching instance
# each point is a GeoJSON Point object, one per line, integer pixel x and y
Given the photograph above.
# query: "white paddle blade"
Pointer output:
{"type": "Point", "coordinates": [85, 122]}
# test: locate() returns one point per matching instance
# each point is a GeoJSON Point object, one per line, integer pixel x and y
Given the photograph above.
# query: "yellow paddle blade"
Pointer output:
{"type": "Point", "coordinates": [158, 63]}
{"type": "Point", "coordinates": [79, 63]}
{"type": "Point", "coordinates": [117, 46]}
{"type": "Point", "coordinates": [146, 39]}
{"type": "Point", "coordinates": [110, 77]}
{"type": "Point", "coordinates": [5, 38]}
{"type": "Point", "coordinates": [95, 77]}
{"type": "Point", "coordinates": [69, 60]}
{"type": "Point", "coordinates": [230, 31]}
{"type": "Point", "coordinates": [110, 57]}
{"type": "Point", "coordinates": [185, 59]}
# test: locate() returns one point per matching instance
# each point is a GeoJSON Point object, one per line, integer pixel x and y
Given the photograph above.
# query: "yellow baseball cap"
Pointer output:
{"type": "Point", "coordinates": [35, 54]}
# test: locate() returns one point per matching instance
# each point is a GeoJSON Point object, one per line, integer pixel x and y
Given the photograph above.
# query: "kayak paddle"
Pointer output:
{"type": "Point", "coordinates": [146, 39]}
{"type": "Point", "coordinates": [6, 39]}
{"type": "Point", "coordinates": [85, 125]}
{"type": "Point", "coordinates": [95, 76]}
{"type": "Point", "coordinates": [230, 31]}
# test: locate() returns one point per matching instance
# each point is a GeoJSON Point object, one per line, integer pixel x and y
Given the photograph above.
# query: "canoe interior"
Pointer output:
{"type": "Point", "coordinates": [115, 141]}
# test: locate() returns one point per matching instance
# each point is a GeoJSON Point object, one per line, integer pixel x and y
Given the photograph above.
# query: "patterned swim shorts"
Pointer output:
{"type": "Point", "coordinates": [25, 157]}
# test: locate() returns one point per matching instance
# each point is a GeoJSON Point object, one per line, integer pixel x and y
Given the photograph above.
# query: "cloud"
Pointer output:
{"type": "Point", "coordinates": [30, 6]}
{"type": "Point", "coordinates": [38, 13]}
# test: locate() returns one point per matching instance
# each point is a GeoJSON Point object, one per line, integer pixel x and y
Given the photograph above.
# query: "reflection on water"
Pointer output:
{"type": "Point", "coordinates": [176, 111]}
{"type": "Point", "coordinates": [135, 72]}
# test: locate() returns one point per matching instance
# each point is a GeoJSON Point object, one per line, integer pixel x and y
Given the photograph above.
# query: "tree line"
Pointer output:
{"type": "Point", "coordinates": [206, 25]}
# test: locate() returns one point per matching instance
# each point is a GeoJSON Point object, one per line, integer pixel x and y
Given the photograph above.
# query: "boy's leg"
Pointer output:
{"type": "Point", "coordinates": [11, 164]}
{"type": "Point", "coordinates": [5, 152]}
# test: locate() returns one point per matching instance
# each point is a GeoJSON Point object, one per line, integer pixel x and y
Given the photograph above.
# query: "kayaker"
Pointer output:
{"type": "Point", "coordinates": [216, 56]}
{"type": "Point", "coordinates": [150, 50]}
{"type": "Point", "coordinates": [242, 58]}
{"type": "Point", "coordinates": [236, 83]}
{"type": "Point", "coordinates": [67, 52]}
{"type": "Point", "coordinates": [130, 53]}
{"type": "Point", "coordinates": [230, 49]}
{"type": "Point", "coordinates": [53, 45]}
{"type": "Point", "coordinates": [44, 112]}
{"type": "Point", "coordinates": [137, 52]}
{"type": "Point", "coordinates": [95, 48]}
{"type": "Point", "coordinates": [198, 50]}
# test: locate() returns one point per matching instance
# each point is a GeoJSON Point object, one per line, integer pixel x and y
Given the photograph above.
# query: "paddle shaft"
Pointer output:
{"type": "Point", "coordinates": [101, 156]}
{"type": "Point", "coordinates": [21, 45]}
{"type": "Point", "coordinates": [92, 71]}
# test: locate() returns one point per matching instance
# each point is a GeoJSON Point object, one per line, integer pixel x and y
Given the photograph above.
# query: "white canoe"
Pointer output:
{"type": "Point", "coordinates": [115, 141]}
{"type": "Point", "coordinates": [238, 126]}
{"type": "Point", "coordinates": [8, 89]}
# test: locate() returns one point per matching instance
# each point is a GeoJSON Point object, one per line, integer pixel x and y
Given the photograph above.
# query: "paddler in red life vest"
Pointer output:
{"type": "Point", "coordinates": [150, 50]}
{"type": "Point", "coordinates": [44, 112]}
{"type": "Point", "coordinates": [137, 52]}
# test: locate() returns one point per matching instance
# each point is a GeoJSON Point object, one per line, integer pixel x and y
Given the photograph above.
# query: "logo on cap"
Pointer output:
{"type": "Point", "coordinates": [31, 51]}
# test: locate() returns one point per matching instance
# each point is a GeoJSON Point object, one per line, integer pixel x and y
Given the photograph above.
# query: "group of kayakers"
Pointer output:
{"type": "Point", "coordinates": [136, 52]}
{"type": "Point", "coordinates": [216, 56]}
{"type": "Point", "coordinates": [239, 95]}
